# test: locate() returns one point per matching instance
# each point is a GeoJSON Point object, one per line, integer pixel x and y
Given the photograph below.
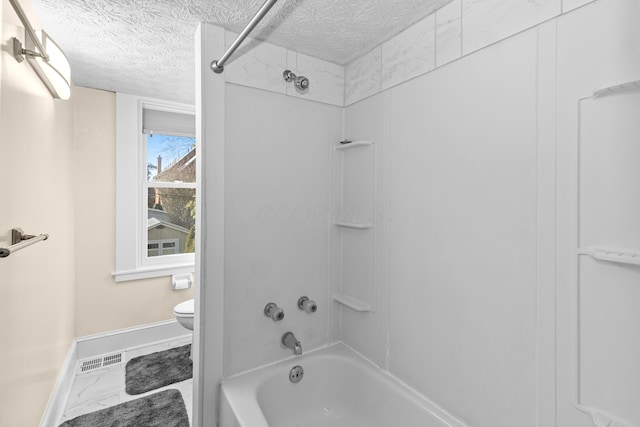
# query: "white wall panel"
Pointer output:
{"type": "Point", "coordinates": [489, 21]}
{"type": "Point", "coordinates": [277, 215]}
{"type": "Point", "coordinates": [597, 206]}
{"type": "Point", "coordinates": [463, 235]}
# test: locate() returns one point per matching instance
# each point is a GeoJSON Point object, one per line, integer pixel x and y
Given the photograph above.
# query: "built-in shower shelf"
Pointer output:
{"type": "Point", "coordinates": [353, 144]}
{"type": "Point", "coordinates": [616, 87]}
{"type": "Point", "coordinates": [352, 303]}
{"type": "Point", "coordinates": [352, 224]}
{"type": "Point", "coordinates": [618, 256]}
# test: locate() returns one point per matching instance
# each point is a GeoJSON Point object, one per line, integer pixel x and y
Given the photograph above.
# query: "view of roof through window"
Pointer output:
{"type": "Point", "coordinates": [171, 211]}
{"type": "Point", "coordinates": [170, 157]}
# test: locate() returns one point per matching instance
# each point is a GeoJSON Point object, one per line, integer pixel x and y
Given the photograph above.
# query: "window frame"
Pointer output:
{"type": "Point", "coordinates": [132, 260]}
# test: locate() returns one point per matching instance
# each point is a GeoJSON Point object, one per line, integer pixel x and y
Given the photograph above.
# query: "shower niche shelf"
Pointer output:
{"type": "Point", "coordinates": [354, 224]}
{"type": "Point", "coordinates": [617, 256]}
{"type": "Point", "coordinates": [353, 303]}
{"type": "Point", "coordinates": [353, 144]}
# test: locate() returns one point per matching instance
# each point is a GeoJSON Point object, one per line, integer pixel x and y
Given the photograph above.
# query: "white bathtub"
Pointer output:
{"type": "Point", "coordinates": [339, 389]}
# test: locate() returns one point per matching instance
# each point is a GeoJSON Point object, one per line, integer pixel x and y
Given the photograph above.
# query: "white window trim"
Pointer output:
{"type": "Point", "coordinates": [130, 184]}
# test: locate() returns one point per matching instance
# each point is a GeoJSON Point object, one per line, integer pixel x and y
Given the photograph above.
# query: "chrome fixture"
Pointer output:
{"type": "Point", "coordinates": [274, 312]}
{"type": "Point", "coordinates": [290, 341]}
{"type": "Point", "coordinates": [301, 82]}
{"type": "Point", "coordinates": [19, 240]}
{"type": "Point", "coordinates": [218, 66]}
{"type": "Point", "coordinates": [295, 374]}
{"type": "Point", "coordinates": [44, 55]}
{"type": "Point", "coordinates": [304, 303]}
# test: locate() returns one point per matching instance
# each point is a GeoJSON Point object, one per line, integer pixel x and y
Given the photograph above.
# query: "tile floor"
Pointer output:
{"type": "Point", "coordinates": [104, 387]}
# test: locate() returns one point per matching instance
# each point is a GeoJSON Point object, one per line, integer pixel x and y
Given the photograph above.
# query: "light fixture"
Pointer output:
{"type": "Point", "coordinates": [45, 56]}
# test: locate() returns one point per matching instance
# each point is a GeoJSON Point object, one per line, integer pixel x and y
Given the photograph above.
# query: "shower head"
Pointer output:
{"type": "Point", "coordinates": [301, 82]}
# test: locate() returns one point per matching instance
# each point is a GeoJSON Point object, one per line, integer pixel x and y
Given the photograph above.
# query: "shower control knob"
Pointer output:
{"type": "Point", "coordinates": [307, 305]}
{"type": "Point", "coordinates": [274, 312]}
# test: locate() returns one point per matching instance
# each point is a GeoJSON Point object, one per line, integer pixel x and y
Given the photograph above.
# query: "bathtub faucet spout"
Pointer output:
{"type": "Point", "coordinates": [289, 340]}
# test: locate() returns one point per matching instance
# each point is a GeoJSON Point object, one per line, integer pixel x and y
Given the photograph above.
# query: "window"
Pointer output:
{"type": "Point", "coordinates": [155, 188]}
{"type": "Point", "coordinates": [171, 191]}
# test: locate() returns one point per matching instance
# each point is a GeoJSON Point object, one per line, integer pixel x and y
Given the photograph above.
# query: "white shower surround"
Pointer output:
{"type": "Point", "coordinates": [374, 342]}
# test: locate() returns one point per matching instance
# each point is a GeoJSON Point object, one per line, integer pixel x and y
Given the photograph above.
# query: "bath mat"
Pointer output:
{"type": "Point", "coordinates": [155, 370]}
{"type": "Point", "coordinates": [163, 409]}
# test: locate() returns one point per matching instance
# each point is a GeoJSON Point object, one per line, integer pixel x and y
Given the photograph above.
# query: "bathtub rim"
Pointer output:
{"type": "Point", "coordinates": [243, 386]}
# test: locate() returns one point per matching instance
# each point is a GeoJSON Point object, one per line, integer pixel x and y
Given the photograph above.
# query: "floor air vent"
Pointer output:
{"type": "Point", "coordinates": [112, 359]}
{"type": "Point", "coordinates": [100, 362]}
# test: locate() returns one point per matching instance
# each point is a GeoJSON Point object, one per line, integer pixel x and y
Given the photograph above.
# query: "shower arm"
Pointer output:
{"type": "Point", "coordinates": [218, 66]}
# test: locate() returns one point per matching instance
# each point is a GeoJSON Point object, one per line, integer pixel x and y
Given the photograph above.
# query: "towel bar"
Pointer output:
{"type": "Point", "coordinates": [19, 240]}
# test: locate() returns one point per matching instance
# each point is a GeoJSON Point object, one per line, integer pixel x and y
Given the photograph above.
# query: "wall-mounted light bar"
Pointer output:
{"type": "Point", "coordinates": [44, 55]}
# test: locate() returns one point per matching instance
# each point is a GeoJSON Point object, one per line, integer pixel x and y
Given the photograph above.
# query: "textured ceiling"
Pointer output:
{"type": "Point", "coordinates": [146, 47]}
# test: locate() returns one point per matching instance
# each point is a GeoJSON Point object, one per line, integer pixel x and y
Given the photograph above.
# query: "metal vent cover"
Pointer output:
{"type": "Point", "coordinates": [94, 363]}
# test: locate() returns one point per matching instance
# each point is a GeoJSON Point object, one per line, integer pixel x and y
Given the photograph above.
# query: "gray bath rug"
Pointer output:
{"type": "Point", "coordinates": [162, 409]}
{"type": "Point", "coordinates": [155, 370]}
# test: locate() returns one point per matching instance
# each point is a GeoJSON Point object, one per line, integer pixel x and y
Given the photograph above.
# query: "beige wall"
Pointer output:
{"type": "Point", "coordinates": [36, 194]}
{"type": "Point", "coordinates": [101, 303]}
{"type": "Point", "coordinates": [57, 175]}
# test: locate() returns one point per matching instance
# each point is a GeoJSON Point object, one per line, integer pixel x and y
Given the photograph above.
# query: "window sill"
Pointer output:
{"type": "Point", "coordinates": [149, 272]}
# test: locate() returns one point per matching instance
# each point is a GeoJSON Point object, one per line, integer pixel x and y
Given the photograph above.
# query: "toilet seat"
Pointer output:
{"type": "Point", "coordinates": [185, 308]}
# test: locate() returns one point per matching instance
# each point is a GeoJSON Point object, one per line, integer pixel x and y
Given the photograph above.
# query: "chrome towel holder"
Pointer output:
{"type": "Point", "coordinates": [19, 240]}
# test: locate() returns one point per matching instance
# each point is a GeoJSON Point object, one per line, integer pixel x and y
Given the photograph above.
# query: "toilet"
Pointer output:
{"type": "Point", "coordinates": [184, 313]}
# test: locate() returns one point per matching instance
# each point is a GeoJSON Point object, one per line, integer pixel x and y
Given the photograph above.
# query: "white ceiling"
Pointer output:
{"type": "Point", "coordinates": [146, 47]}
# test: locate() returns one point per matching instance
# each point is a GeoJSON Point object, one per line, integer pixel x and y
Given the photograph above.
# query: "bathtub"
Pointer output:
{"type": "Point", "coordinates": [338, 389]}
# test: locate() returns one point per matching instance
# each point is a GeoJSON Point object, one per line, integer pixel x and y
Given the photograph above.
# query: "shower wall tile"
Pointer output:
{"type": "Point", "coordinates": [457, 29]}
{"type": "Point", "coordinates": [568, 5]}
{"type": "Point", "coordinates": [488, 21]}
{"type": "Point", "coordinates": [261, 65]}
{"type": "Point", "coordinates": [326, 80]}
{"type": "Point", "coordinates": [363, 77]}
{"type": "Point", "coordinates": [257, 64]}
{"type": "Point", "coordinates": [410, 53]}
{"type": "Point", "coordinates": [449, 33]}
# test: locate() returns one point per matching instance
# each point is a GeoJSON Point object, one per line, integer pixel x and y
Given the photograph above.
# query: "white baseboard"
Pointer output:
{"type": "Point", "coordinates": [58, 397]}
{"type": "Point", "coordinates": [94, 345]}
{"type": "Point", "coordinates": [107, 342]}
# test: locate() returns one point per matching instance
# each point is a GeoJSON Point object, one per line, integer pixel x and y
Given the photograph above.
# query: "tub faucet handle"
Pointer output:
{"type": "Point", "coordinates": [274, 312]}
{"type": "Point", "coordinates": [304, 303]}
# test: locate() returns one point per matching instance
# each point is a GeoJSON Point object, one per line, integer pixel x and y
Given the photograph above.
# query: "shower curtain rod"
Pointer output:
{"type": "Point", "coordinates": [218, 66]}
